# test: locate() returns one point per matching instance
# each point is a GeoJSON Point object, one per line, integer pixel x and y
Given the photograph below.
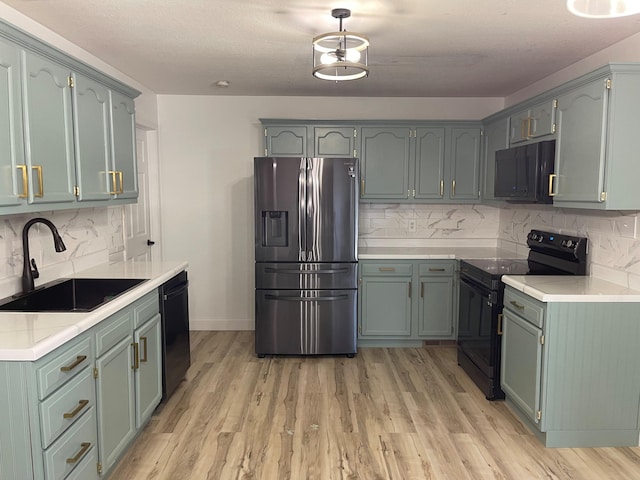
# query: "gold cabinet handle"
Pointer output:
{"type": "Point", "coordinates": [84, 447]}
{"type": "Point", "coordinates": [436, 269]}
{"type": "Point", "coordinates": [386, 269]}
{"type": "Point", "coordinates": [551, 177]}
{"type": "Point", "coordinates": [530, 120]}
{"type": "Point", "coordinates": [136, 356]}
{"type": "Point", "coordinates": [144, 349]}
{"type": "Point", "coordinates": [409, 289]}
{"type": "Point", "coordinates": [75, 411]}
{"type": "Point", "coordinates": [442, 188]}
{"type": "Point", "coordinates": [421, 289]}
{"type": "Point", "coordinates": [453, 188]}
{"type": "Point", "coordinates": [362, 187]}
{"type": "Point", "coordinates": [517, 305]}
{"type": "Point", "coordinates": [25, 182]}
{"type": "Point", "coordinates": [121, 184]}
{"type": "Point", "coordinates": [79, 359]}
{"type": "Point", "coordinates": [114, 182]}
{"type": "Point", "coordinates": [499, 324]}
{"type": "Point", "coordinates": [38, 169]}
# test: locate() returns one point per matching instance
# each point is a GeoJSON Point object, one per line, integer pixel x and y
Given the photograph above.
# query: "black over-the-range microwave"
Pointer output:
{"type": "Point", "coordinates": [523, 173]}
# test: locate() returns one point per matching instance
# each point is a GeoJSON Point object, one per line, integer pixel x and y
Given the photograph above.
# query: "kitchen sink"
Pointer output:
{"type": "Point", "coordinates": [70, 295]}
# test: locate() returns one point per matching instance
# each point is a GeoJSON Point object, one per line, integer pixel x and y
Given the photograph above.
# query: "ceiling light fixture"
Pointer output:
{"type": "Point", "coordinates": [340, 55]}
{"type": "Point", "coordinates": [603, 8]}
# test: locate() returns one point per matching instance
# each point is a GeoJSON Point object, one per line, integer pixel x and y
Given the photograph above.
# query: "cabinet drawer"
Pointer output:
{"type": "Point", "coordinates": [68, 451]}
{"type": "Point", "coordinates": [66, 406]}
{"type": "Point", "coordinates": [386, 268]}
{"type": "Point", "coordinates": [436, 268]}
{"type": "Point", "coordinates": [87, 469]}
{"type": "Point", "coordinates": [145, 308]}
{"type": "Point", "coordinates": [528, 308]}
{"type": "Point", "coordinates": [63, 367]}
{"type": "Point", "coordinates": [113, 330]}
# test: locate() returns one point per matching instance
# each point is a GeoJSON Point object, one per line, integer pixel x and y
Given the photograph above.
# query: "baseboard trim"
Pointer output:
{"type": "Point", "coordinates": [221, 324]}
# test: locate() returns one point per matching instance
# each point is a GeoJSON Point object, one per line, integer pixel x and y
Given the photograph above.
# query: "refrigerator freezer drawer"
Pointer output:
{"type": "Point", "coordinates": [306, 322]}
{"type": "Point", "coordinates": [306, 276]}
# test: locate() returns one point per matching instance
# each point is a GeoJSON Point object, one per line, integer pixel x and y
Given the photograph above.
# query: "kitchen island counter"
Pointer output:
{"type": "Point", "coordinates": [28, 336]}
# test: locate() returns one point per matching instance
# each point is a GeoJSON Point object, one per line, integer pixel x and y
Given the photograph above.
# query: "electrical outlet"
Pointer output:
{"type": "Point", "coordinates": [412, 225]}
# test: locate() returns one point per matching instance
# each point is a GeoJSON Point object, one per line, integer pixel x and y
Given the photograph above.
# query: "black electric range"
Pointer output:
{"type": "Point", "coordinates": [481, 296]}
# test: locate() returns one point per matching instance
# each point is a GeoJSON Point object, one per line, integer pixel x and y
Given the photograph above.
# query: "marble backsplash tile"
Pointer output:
{"type": "Point", "coordinates": [431, 221]}
{"type": "Point", "coordinates": [91, 235]}
{"type": "Point", "coordinates": [613, 237]}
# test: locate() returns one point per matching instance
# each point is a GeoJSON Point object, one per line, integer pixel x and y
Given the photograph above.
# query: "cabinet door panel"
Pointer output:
{"type": "Point", "coordinates": [385, 163]}
{"type": "Point", "coordinates": [521, 364]}
{"type": "Point", "coordinates": [386, 306]}
{"type": "Point", "coordinates": [465, 163]}
{"type": "Point", "coordinates": [495, 138]}
{"type": "Point", "coordinates": [149, 376]}
{"type": "Point", "coordinates": [580, 144]}
{"type": "Point", "coordinates": [123, 145]}
{"type": "Point", "coordinates": [11, 151]}
{"type": "Point", "coordinates": [436, 307]}
{"type": "Point", "coordinates": [286, 141]}
{"type": "Point", "coordinates": [48, 130]}
{"type": "Point", "coordinates": [429, 176]}
{"type": "Point", "coordinates": [91, 122]}
{"type": "Point", "coordinates": [542, 120]}
{"type": "Point", "coordinates": [518, 124]}
{"type": "Point", "coordinates": [115, 402]}
{"type": "Point", "coordinates": [334, 142]}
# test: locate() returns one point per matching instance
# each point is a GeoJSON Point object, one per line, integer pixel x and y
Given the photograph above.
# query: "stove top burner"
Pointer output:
{"type": "Point", "coordinates": [501, 266]}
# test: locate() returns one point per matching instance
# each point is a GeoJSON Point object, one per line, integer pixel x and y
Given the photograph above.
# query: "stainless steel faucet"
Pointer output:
{"type": "Point", "coordinates": [28, 274]}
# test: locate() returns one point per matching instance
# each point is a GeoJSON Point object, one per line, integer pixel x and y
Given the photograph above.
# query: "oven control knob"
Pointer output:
{"type": "Point", "coordinates": [540, 238]}
{"type": "Point", "coordinates": [569, 244]}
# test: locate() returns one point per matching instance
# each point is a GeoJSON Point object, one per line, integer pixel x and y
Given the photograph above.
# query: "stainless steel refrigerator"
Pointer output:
{"type": "Point", "coordinates": [306, 241]}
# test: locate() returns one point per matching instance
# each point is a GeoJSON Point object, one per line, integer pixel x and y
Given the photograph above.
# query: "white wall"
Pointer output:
{"type": "Point", "coordinates": [206, 173]}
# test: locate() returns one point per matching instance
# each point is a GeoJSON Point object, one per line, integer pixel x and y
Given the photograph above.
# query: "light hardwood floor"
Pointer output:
{"type": "Point", "coordinates": [388, 413]}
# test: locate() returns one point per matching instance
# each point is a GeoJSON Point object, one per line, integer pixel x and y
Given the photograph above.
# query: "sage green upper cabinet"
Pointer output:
{"type": "Point", "coordinates": [596, 146]}
{"type": "Point", "coordinates": [124, 172]}
{"type": "Point", "coordinates": [48, 130]}
{"type": "Point", "coordinates": [465, 164]}
{"type": "Point", "coordinates": [285, 141]}
{"type": "Point", "coordinates": [534, 122]}
{"type": "Point", "coordinates": [496, 137]}
{"type": "Point", "coordinates": [385, 163]}
{"type": "Point", "coordinates": [335, 142]}
{"type": "Point", "coordinates": [429, 163]}
{"type": "Point", "coordinates": [91, 122]}
{"type": "Point", "coordinates": [13, 171]}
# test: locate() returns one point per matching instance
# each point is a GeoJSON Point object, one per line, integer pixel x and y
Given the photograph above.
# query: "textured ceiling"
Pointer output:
{"type": "Point", "coordinates": [263, 47]}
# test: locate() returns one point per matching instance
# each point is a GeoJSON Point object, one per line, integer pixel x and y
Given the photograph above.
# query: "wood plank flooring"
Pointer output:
{"type": "Point", "coordinates": [386, 414]}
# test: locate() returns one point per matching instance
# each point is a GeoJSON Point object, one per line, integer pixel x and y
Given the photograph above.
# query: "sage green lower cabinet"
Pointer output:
{"type": "Point", "coordinates": [435, 307]}
{"type": "Point", "coordinates": [72, 413]}
{"type": "Point", "coordinates": [570, 370]}
{"type": "Point", "coordinates": [128, 369]}
{"type": "Point", "coordinates": [405, 301]}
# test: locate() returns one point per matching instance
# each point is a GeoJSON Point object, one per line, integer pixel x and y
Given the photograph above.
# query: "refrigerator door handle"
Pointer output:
{"type": "Point", "coordinates": [302, 211]}
{"type": "Point", "coordinates": [311, 211]}
{"type": "Point", "coordinates": [293, 298]}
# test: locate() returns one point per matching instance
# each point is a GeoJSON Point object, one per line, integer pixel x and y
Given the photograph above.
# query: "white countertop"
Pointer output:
{"type": "Point", "coordinates": [31, 335]}
{"type": "Point", "coordinates": [571, 288]}
{"type": "Point", "coordinates": [431, 253]}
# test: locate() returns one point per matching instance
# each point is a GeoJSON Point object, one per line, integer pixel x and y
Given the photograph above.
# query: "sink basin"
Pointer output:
{"type": "Point", "coordinates": [70, 295]}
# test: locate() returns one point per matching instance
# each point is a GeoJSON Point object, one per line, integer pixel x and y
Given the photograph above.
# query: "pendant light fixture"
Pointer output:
{"type": "Point", "coordinates": [603, 8]}
{"type": "Point", "coordinates": [340, 55]}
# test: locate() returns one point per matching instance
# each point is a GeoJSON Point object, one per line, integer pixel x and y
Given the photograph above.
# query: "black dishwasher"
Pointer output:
{"type": "Point", "coordinates": [174, 309]}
